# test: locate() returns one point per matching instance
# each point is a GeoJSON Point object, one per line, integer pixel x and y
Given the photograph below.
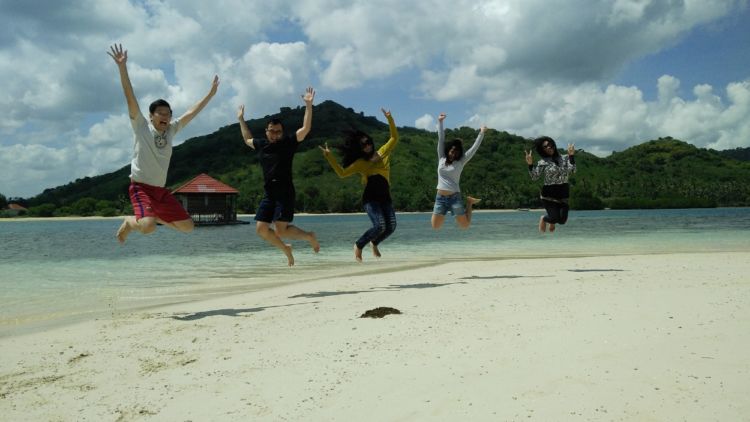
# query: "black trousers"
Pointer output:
{"type": "Point", "coordinates": [557, 212]}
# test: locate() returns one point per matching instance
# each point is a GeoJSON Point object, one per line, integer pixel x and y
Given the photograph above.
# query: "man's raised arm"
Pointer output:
{"type": "Point", "coordinates": [247, 136]}
{"type": "Point", "coordinates": [197, 107]}
{"type": "Point", "coordinates": [307, 120]}
{"type": "Point", "coordinates": [120, 57]}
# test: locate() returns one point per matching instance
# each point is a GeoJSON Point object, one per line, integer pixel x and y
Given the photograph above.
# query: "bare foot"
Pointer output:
{"type": "Point", "coordinates": [375, 250]}
{"type": "Point", "coordinates": [124, 230]}
{"type": "Point", "coordinates": [551, 227]}
{"type": "Point", "coordinates": [357, 253]}
{"type": "Point", "coordinates": [542, 224]}
{"type": "Point", "coordinates": [472, 200]}
{"type": "Point", "coordinates": [288, 253]}
{"type": "Point", "coordinates": [314, 242]}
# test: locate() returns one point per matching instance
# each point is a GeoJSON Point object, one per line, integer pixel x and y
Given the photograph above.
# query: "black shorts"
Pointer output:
{"type": "Point", "coordinates": [276, 205]}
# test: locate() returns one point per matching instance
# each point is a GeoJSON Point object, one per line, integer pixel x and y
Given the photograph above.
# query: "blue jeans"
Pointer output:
{"type": "Point", "coordinates": [383, 223]}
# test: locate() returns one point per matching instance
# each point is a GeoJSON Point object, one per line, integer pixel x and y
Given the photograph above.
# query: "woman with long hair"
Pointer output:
{"type": "Point", "coordinates": [451, 162]}
{"type": "Point", "coordinates": [556, 170]}
{"type": "Point", "coordinates": [359, 156]}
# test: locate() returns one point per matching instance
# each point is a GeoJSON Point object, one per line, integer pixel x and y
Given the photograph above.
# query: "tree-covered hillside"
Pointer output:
{"type": "Point", "coordinates": [742, 154]}
{"type": "Point", "coordinates": [659, 173]}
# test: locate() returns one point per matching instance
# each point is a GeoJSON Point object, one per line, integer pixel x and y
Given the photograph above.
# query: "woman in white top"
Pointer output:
{"type": "Point", "coordinates": [450, 164]}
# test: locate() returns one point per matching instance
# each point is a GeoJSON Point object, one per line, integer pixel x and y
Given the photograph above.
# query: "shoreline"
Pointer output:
{"type": "Point", "coordinates": [628, 337]}
{"type": "Point", "coordinates": [91, 218]}
{"type": "Point", "coordinates": [301, 214]}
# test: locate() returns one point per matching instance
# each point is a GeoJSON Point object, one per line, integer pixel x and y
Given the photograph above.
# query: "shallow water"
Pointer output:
{"type": "Point", "coordinates": [60, 271]}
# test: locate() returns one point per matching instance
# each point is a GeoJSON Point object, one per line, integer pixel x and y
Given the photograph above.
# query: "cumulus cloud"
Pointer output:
{"type": "Point", "coordinates": [517, 65]}
{"type": "Point", "coordinates": [62, 98]}
{"type": "Point", "coordinates": [426, 122]}
{"type": "Point", "coordinates": [106, 146]}
{"type": "Point", "coordinates": [24, 168]}
{"type": "Point", "coordinates": [615, 117]}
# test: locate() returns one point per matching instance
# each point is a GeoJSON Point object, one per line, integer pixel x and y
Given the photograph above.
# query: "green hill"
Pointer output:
{"type": "Point", "coordinates": [670, 173]}
{"type": "Point", "coordinates": [659, 173]}
{"type": "Point", "coordinates": [737, 153]}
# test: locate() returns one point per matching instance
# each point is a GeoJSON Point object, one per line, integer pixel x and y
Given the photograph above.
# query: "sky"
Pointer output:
{"type": "Point", "coordinates": [605, 75]}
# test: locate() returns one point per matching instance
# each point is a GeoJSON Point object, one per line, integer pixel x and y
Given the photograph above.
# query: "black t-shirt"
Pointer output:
{"type": "Point", "coordinates": [276, 159]}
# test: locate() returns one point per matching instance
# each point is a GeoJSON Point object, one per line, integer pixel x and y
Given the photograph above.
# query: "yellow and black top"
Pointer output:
{"type": "Point", "coordinates": [375, 174]}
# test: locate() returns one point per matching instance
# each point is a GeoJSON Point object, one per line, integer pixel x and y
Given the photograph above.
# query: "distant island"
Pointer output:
{"type": "Point", "coordinates": [660, 173]}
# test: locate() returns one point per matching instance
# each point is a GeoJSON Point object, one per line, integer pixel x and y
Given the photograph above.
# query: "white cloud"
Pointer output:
{"type": "Point", "coordinates": [105, 147]}
{"type": "Point", "coordinates": [24, 168]}
{"type": "Point", "coordinates": [627, 11]}
{"type": "Point", "coordinates": [426, 122]}
{"type": "Point", "coordinates": [668, 87]}
{"type": "Point", "coordinates": [520, 65]}
{"type": "Point", "coordinates": [267, 76]}
{"type": "Point", "coordinates": [58, 78]}
{"type": "Point", "coordinates": [343, 72]}
{"type": "Point", "coordinates": [616, 117]}
{"type": "Point", "coordinates": [475, 121]}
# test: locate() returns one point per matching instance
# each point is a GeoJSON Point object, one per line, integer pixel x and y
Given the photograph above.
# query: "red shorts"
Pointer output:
{"type": "Point", "coordinates": [153, 201]}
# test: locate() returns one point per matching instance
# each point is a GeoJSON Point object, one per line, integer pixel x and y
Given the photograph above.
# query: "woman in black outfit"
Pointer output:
{"type": "Point", "coordinates": [556, 170]}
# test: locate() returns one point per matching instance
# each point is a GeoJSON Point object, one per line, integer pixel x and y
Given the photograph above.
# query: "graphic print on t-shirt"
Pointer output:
{"type": "Point", "coordinates": [160, 140]}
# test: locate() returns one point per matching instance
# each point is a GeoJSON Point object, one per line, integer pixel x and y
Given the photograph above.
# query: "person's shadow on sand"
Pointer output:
{"type": "Point", "coordinates": [230, 312]}
{"type": "Point", "coordinates": [374, 289]}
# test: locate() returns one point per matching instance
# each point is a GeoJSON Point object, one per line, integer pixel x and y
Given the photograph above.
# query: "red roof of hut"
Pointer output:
{"type": "Point", "coordinates": [204, 183]}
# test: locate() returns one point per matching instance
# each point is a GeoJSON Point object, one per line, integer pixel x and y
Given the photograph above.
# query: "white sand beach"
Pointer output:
{"type": "Point", "coordinates": [610, 338]}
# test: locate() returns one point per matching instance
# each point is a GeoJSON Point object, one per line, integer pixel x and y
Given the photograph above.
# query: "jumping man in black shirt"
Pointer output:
{"type": "Point", "coordinates": [276, 153]}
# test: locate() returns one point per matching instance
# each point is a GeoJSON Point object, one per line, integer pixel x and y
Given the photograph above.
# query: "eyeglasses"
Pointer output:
{"type": "Point", "coordinates": [547, 145]}
{"type": "Point", "coordinates": [163, 113]}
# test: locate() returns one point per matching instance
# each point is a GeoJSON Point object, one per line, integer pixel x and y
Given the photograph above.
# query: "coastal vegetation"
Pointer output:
{"type": "Point", "coordinates": [660, 173]}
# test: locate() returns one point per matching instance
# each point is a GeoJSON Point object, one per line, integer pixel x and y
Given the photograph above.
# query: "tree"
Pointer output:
{"type": "Point", "coordinates": [3, 201]}
{"type": "Point", "coordinates": [661, 172]}
{"type": "Point", "coordinates": [44, 210]}
{"type": "Point", "coordinates": [84, 206]}
{"type": "Point", "coordinates": [585, 200]}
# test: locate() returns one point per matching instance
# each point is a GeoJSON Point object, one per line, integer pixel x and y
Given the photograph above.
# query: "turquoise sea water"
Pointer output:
{"type": "Point", "coordinates": [61, 271]}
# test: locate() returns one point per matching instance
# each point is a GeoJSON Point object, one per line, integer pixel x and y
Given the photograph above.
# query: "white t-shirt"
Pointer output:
{"type": "Point", "coordinates": [450, 174]}
{"type": "Point", "coordinates": [151, 151]}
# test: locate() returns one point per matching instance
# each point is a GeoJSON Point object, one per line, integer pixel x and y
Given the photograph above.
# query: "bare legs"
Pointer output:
{"type": "Point", "coordinates": [265, 231]}
{"type": "Point", "coordinates": [543, 226]}
{"type": "Point", "coordinates": [127, 226]}
{"type": "Point", "coordinates": [287, 230]}
{"type": "Point", "coordinates": [437, 221]}
{"type": "Point", "coordinates": [147, 225]}
{"type": "Point", "coordinates": [463, 221]}
{"type": "Point", "coordinates": [284, 229]}
{"type": "Point", "coordinates": [185, 226]}
{"type": "Point", "coordinates": [375, 250]}
{"type": "Point", "coordinates": [358, 252]}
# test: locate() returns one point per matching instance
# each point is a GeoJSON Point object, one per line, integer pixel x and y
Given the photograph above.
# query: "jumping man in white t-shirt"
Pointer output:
{"type": "Point", "coordinates": [152, 203]}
